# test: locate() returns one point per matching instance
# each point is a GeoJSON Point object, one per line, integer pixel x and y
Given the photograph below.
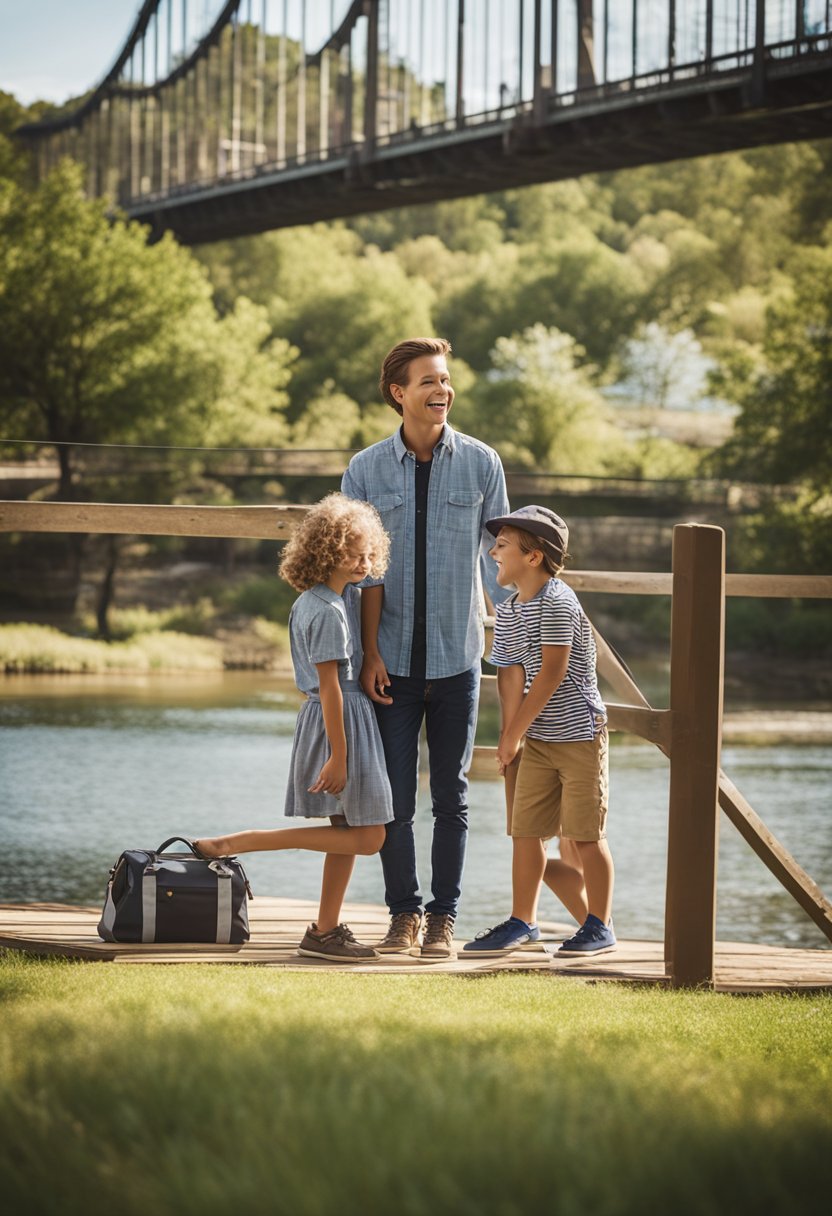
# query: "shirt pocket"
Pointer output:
{"type": "Point", "coordinates": [391, 509]}
{"type": "Point", "coordinates": [464, 511]}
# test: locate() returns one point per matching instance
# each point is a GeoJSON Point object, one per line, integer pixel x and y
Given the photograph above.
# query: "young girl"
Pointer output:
{"type": "Point", "coordinates": [337, 767]}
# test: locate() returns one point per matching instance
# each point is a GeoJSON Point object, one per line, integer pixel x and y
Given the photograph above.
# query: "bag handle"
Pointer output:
{"type": "Point", "coordinates": [184, 840]}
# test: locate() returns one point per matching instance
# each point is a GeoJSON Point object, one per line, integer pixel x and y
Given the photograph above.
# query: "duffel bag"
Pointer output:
{"type": "Point", "coordinates": [156, 896]}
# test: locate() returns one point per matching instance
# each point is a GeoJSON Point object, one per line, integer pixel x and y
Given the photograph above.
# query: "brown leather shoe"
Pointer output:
{"type": "Point", "coordinates": [403, 934]}
{"type": "Point", "coordinates": [338, 945]}
{"type": "Point", "coordinates": [439, 936]}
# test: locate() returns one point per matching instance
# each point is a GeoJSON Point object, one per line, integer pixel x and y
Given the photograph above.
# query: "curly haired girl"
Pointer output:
{"type": "Point", "coordinates": [337, 767]}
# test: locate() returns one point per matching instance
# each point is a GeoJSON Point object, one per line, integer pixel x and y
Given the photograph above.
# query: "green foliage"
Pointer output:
{"type": "Point", "coordinates": [784, 432]}
{"type": "Point", "coordinates": [265, 596]}
{"type": "Point", "coordinates": [780, 629]}
{"type": "Point", "coordinates": [470, 225]}
{"type": "Point", "coordinates": [128, 623]}
{"type": "Point", "coordinates": [104, 338]}
{"type": "Point", "coordinates": [330, 420]}
{"type": "Point", "coordinates": [243, 1071]}
{"type": "Point", "coordinates": [785, 537]}
{"type": "Point", "coordinates": [539, 408]}
{"type": "Point", "coordinates": [12, 158]}
{"type": "Point", "coordinates": [347, 322]}
{"type": "Point", "coordinates": [40, 648]}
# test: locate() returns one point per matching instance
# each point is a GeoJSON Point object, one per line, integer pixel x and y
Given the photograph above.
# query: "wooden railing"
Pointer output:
{"type": "Point", "coordinates": [689, 732]}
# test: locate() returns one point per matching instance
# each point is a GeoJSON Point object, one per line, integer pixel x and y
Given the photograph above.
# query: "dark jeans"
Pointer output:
{"type": "Point", "coordinates": [449, 708]}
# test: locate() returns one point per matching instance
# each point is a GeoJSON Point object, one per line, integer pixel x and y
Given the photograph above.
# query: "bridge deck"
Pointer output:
{"type": "Point", "coordinates": [277, 925]}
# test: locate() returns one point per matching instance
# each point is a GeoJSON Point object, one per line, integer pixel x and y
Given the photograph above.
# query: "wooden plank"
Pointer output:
{"type": "Point", "coordinates": [654, 725]}
{"type": "Point", "coordinates": [256, 523]}
{"type": "Point", "coordinates": [776, 586]}
{"type": "Point", "coordinates": [697, 644]}
{"type": "Point", "coordinates": [754, 586]}
{"type": "Point", "coordinates": [650, 724]}
{"type": "Point", "coordinates": [771, 852]}
{"type": "Point", "coordinates": [739, 966]}
{"type": "Point", "coordinates": [278, 523]}
{"type": "Point", "coordinates": [619, 582]}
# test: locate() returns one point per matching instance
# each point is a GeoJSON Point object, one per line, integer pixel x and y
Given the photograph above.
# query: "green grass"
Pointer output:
{"type": "Point", "coordinates": [42, 649]}
{"type": "Point", "coordinates": [202, 1090]}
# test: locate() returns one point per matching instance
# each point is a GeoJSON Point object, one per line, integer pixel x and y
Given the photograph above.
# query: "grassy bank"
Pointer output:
{"type": "Point", "coordinates": [36, 649]}
{"type": "Point", "coordinates": [142, 642]}
{"type": "Point", "coordinates": [209, 1089]}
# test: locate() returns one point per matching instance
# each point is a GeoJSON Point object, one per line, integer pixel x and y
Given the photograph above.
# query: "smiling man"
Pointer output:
{"type": "Point", "coordinates": [422, 626]}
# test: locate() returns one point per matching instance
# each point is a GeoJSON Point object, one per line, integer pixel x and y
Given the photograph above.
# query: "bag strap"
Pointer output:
{"type": "Point", "coordinates": [184, 840]}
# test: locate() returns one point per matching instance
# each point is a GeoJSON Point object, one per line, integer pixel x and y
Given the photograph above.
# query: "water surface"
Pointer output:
{"type": "Point", "coordinates": [90, 766]}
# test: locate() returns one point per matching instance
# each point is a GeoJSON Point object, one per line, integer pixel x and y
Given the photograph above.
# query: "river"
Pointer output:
{"type": "Point", "coordinates": [90, 766]}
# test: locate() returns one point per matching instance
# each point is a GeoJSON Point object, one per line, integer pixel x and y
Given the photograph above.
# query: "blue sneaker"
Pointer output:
{"type": "Point", "coordinates": [593, 937]}
{"type": "Point", "coordinates": [511, 934]}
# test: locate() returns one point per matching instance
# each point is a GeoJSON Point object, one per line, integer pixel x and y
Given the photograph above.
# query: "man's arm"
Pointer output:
{"type": "Point", "coordinates": [494, 505]}
{"type": "Point", "coordinates": [543, 686]}
{"type": "Point", "coordinates": [373, 678]}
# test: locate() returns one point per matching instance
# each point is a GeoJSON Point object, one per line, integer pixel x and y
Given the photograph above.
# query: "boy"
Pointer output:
{"type": "Point", "coordinates": [545, 653]}
{"type": "Point", "coordinates": [422, 627]}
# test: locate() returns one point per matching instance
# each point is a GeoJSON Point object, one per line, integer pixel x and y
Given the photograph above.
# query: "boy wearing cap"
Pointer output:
{"type": "Point", "coordinates": [545, 655]}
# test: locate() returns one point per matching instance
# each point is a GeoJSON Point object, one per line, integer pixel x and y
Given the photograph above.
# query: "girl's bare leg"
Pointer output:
{"type": "Point", "coordinates": [564, 877]}
{"type": "Point", "coordinates": [527, 865]}
{"type": "Point", "coordinates": [337, 873]}
{"type": "Point", "coordinates": [348, 842]}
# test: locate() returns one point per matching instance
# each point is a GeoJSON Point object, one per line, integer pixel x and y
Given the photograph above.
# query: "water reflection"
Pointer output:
{"type": "Point", "coordinates": [87, 770]}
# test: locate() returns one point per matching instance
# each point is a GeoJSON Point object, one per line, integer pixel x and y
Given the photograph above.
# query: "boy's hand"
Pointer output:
{"type": "Point", "coordinates": [374, 679]}
{"type": "Point", "coordinates": [507, 749]}
{"type": "Point", "coordinates": [332, 778]}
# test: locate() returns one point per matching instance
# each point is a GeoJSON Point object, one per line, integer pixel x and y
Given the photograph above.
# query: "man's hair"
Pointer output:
{"type": "Point", "coordinates": [396, 367]}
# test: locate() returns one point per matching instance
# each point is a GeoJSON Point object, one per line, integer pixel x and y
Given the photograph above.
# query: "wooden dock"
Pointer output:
{"type": "Point", "coordinates": [278, 924]}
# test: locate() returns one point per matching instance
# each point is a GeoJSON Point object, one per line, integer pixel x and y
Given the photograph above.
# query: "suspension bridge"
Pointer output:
{"type": "Point", "coordinates": [221, 118]}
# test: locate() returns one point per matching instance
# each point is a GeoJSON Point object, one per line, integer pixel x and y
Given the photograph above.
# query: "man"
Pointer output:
{"type": "Point", "coordinates": [422, 627]}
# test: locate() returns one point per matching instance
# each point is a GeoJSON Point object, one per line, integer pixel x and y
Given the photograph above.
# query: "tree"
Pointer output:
{"type": "Point", "coordinates": [664, 370]}
{"type": "Point", "coordinates": [784, 431]}
{"type": "Point", "coordinates": [105, 339]}
{"type": "Point", "coordinates": [12, 158]}
{"type": "Point", "coordinates": [539, 408]}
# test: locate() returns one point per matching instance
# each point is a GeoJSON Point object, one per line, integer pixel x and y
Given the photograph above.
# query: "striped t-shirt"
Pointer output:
{"type": "Point", "coordinates": [553, 617]}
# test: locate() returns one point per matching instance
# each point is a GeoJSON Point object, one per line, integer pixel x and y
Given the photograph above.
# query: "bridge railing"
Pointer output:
{"type": "Point", "coordinates": [272, 85]}
{"type": "Point", "coordinates": [689, 732]}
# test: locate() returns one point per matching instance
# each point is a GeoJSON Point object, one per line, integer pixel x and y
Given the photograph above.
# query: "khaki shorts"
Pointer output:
{"type": "Point", "coordinates": [562, 789]}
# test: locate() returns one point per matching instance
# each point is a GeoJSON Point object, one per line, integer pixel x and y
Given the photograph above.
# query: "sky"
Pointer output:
{"type": "Point", "coordinates": [51, 50]}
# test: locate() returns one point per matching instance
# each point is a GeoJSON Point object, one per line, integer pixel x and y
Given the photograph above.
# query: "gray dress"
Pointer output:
{"type": "Point", "coordinates": [325, 626]}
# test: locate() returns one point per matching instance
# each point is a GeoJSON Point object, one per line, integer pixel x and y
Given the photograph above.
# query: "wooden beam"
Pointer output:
{"type": "Point", "coordinates": [772, 853]}
{"type": "Point", "coordinates": [611, 669]}
{"type": "Point", "coordinates": [697, 643]}
{"type": "Point", "coordinates": [25, 516]}
{"type": "Point", "coordinates": [255, 523]}
{"type": "Point", "coordinates": [776, 586]}
{"type": "Point", "coordinates": [755, 586]}
{"type": "Point", "coordinates": [654, 725]}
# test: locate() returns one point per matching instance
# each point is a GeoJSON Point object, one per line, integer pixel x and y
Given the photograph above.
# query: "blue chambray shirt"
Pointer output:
{"type": "Point", "coordinates": [467, 487]}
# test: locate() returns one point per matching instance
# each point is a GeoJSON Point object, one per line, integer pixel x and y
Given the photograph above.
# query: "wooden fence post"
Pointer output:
{"type": "Point", "coordinates": [697, 643]}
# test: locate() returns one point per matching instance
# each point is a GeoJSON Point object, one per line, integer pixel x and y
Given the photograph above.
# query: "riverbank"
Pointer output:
{"type": "Point", "coordinates": [30, 653]}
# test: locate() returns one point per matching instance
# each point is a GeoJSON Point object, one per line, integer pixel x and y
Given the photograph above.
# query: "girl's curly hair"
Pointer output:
{"type": "Point", "coordinates": [324, 537]}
